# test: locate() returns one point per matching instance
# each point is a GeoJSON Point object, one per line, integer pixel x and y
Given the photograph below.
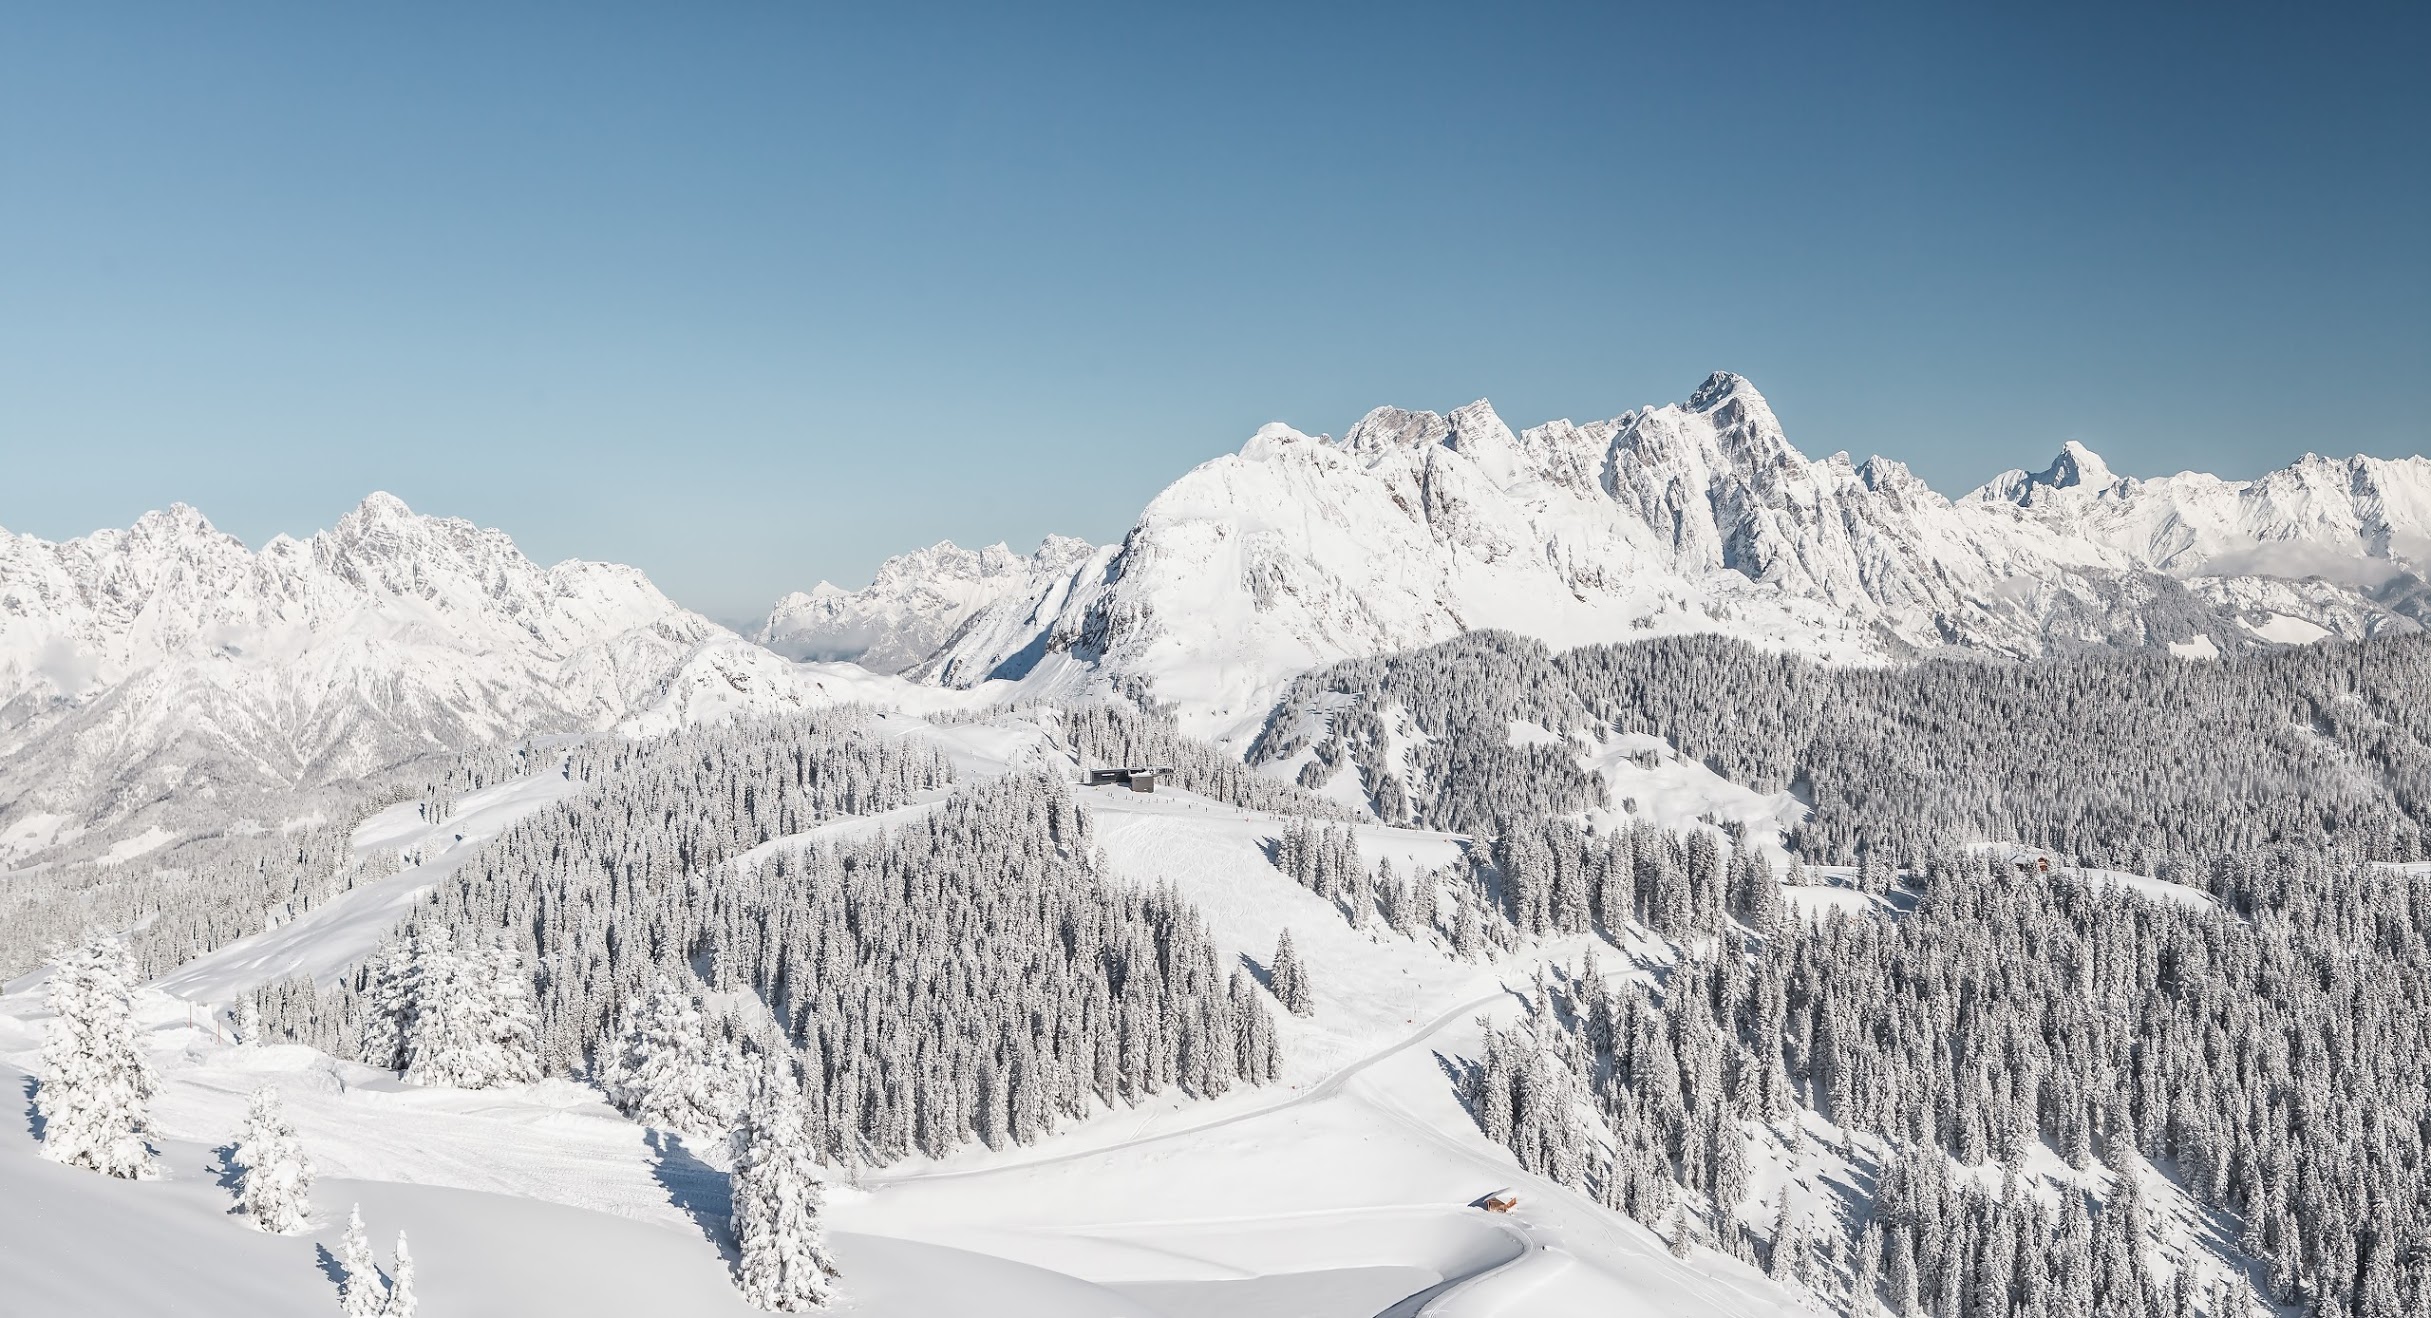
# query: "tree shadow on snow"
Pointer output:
{"type": "Point", "coordinates": [34, 1124]}
{"type": "Point", "coordinates": [705, 1194]}
{"type": "Point", "coordinates": [330, 1267]}
{"type": "Point", "coordinates": [1258, 972]}
{"type": "Point", "coordinates": [1463, 1074]}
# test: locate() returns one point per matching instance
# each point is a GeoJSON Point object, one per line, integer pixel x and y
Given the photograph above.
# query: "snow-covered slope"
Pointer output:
{"type": "Point", "coordinates": [168, 658]}
{"type": "Point", "coordinates": [912, 606]}
{"type": "Point", "coordinates": [1699, 516]}
{"type": "Point", "coordinates": [1345, 1190]}
{"type": "Point", "coordinates": [1341, 1192]}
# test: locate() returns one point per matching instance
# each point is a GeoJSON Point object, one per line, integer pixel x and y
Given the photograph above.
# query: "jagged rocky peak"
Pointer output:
{"type": "Point", "coordinates": [2076, 466]}
{"type": "Point", "coordinates": [1722, 388]}
{"type": "Point", "coordinates": [1394, 429]}
{"type": "Point", "coordinates": [1891, 476]}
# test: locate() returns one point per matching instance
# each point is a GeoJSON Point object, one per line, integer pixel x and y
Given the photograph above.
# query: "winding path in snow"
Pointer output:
{"type": "Point", "coordinates": [1323, 1089]}
{"type": "Point", "coordinates": [1521, 1247]}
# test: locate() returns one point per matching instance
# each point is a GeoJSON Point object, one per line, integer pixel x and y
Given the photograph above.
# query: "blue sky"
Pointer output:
{"type": "Point", "coordinates": [753, 294]}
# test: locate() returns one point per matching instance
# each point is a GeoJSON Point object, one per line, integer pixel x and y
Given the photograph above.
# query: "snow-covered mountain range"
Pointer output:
{"type": "Point", "coordinates": [1700, 516]}
{"type": "Point", "coordinates": [169, 658]}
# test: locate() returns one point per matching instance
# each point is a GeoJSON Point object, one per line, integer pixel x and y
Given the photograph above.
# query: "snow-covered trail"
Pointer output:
{"type": "Point", "coordinates": [1318, 1093]}
{"type": "Point", "coordinates": [341, 931]}
{"type": "Point", "coordinates": [1517, 1246]}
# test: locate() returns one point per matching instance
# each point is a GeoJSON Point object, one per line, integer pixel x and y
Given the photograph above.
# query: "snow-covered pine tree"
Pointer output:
{"type": "Point", "coordinates": [1359, 895]}
{"type": "Point", "coordinates": [1289, 978]}
{"type": "Point", "coordinates": [471, 1021]}
{"type": "Point", "coordinates": [275, 1188]}
{"type": "Point", "coordinates": [95, 1098]}
{"type": "Point", "coordinates": [1258, 1054]}
{"type": "Point", "coordinates": [1865, 1272]}
{"type": "Point", "coordinates": [513, 1055]}
{"type": "Point", "coordinates": [1681, 1237]}
{"type": "Point", "coordinates": [447, 1026]}
{"type": "Point", "coordinates": [388, 1007]}
{"type": "Point", "coordinates": [1787, 1263]}
{"type": "Point", "coordinates": [663, 1071]}
{"type": "Point", "coordinates": [778, 1201]}
{"type": "Point", "coordinates": [364, 1294]}
{"type": "Point", "coordinates": [401, 1301]}
{"type": "Point", "coordinates": [1899, 1274]}
{"type": "Point", "coordinates": [1422, 903]}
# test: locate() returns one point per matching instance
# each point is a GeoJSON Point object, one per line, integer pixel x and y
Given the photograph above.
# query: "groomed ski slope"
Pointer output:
{"type": "Point", "coordinates": [334, 935]}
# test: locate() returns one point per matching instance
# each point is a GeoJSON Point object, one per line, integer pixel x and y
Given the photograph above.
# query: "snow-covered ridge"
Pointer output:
{"type": "Point", "coordinates": [913, 604]}
{"type": "Point", "coordinates": [168, 658]}
{"type": "Point", "coordinates": [1692, 517]}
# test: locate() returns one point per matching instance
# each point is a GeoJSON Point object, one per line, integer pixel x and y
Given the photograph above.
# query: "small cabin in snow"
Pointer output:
{"type": "Point", "coordinates": [1139, 778]}
{"type": "Point", "coordinates": [1501, 1201]}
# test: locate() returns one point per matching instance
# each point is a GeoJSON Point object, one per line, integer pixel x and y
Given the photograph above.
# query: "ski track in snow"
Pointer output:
{"type": "Point", "coordinates": [341, 931]}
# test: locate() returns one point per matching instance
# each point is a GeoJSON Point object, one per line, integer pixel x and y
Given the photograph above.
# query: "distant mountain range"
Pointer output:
{"type": "Point", "coordinates": [1299, 551]}
{"type": "Point", "coordinates": [169, 657]}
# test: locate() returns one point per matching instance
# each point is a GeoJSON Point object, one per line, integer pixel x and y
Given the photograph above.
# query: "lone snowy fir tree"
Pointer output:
{"type": "Point", "coordinates": [275, 1188]}
{"type": "Point", "coordinates": [778, 1200]}
{"type": "Point", "coordinates": [401, 1301]}
{"type": "Point", "coordinates": [1289, 978]}
{"type": "Point", "coordinates": [96, 1091]}
{"type": "Point", "coordinates": [362, 1293]}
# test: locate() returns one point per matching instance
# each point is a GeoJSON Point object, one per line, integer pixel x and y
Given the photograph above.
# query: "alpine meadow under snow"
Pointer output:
{"type": "Point", "coordinates": [1625, 868]}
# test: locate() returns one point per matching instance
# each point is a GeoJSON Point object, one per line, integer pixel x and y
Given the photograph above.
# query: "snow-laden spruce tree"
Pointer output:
{"type": "Point", "coordinates": [1290, 979]}
{"type": "Point", "coordinates": [778, 1200]}
{"type": "Point", "coordinates": [1787, 1263]}
{"type": "Point", "coordinates": [388, 1007]}
{"type": "Point", "coordinates": [276, 1186]}
{"type": "Point", "coordinates": [401, 1301]}
{"type": "Point", "coordinates": [469, 1021]}
{"type": "Point", "coordinates": [365, 1295]}
{"type": "Point", "coordinates": [97, 1087]}
{"type": "Point", "coordinates": [664, 1071]}
{"type": "Point", "coordinates": [446, 1029]}
{"type": "Point", "coordinates": [513, 1056]}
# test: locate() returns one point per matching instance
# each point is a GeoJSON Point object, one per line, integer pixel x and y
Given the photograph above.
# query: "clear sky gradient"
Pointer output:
{"type": "Point", "coordinates": [755, 294]}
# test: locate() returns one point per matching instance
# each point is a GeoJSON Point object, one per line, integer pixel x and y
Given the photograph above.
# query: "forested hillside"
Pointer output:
{"type": "Point", "coordinates": [967, 975]}
{"type": "Point", "coordinates": [2138, 761]}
